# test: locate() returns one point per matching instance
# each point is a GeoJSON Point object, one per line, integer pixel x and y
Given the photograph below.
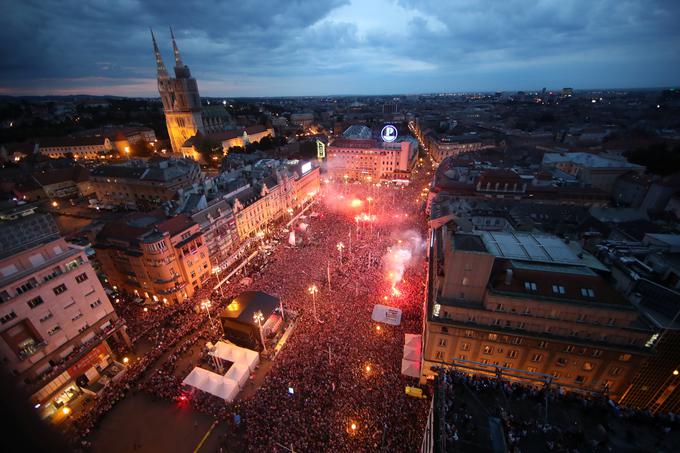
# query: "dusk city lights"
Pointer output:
{"type": "Point", "coordinates": [390, 226]}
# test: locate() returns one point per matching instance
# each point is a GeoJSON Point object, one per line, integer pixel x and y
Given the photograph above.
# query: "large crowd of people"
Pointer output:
{"type": "Point", "coordinates": [336, 384]}
{"type": "Point", "coordinates": [539, 418]}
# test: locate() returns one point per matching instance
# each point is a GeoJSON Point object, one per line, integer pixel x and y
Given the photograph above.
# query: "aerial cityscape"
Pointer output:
{"type": "Point", "coordinates": [341, 226]}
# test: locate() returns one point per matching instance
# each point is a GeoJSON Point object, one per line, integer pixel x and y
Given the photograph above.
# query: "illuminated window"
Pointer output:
{"type": "Point", "coordinates": [493, 337]}
{"type": "Point", "coordinates": [536, 358]}
{"type": "Point", "coordinates": [624, 357]}
{"type": "Point", "coordinates": [587, 366]}
{"type": "Point", "coordinates": [587, 292]}
{"type": "Point", "coordinates": [488, 350]}
{"type": "Point", "coordinates": [530, 286]}
{"type": "Point", "coordinates": [558, 289]}
{"type": "Point", "coordinates": [465, 346]}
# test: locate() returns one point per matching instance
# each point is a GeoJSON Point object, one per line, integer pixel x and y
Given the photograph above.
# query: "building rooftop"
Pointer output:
{"type": "Point", "coordinates": [587, 160]}
{"type": "Point", "coordinates": [529, 247]}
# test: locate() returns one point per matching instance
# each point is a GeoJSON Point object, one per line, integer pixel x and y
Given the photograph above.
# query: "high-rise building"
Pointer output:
{"type": "Point", "coordinates": [529, 306]}
{"type": "Point", "coordinates": [56, 320]}
{"type": "Point", "coordinates": [184, 115]}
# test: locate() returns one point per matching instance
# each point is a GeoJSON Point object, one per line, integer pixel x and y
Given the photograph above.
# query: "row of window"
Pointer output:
{"type": "Point", "coordinates": [553, 314]}
{"type": "Point", "coordinates": [536, 358]}
{"type": "Point", "coordinates": [559, 289]}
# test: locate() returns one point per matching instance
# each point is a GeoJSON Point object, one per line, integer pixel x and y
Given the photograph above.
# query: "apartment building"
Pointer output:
{"type": "Point", "coordinates": [522, 301]}
{"type": "Point", "coordinates": [154, 257]}
{"type": "Point", "coordinates": [56, 321]}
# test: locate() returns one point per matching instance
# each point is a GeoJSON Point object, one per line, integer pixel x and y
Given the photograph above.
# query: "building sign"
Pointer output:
{"type": "Point", "coordinates": [389, 133]}
{"type": "Point", "coordinates": [306, 168]}
{"type": "Point", "coordinates": [90, 359]}
{"type": "Point", "coordinates": [320, 150]}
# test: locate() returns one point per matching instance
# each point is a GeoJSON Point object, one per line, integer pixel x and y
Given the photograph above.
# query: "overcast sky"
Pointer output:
{"type": "Point", "coordinates": [320, 47]}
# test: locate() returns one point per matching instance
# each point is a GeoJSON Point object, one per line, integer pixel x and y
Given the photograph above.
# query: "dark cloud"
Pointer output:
{"type": "Point", "coordinates": [334, 46]}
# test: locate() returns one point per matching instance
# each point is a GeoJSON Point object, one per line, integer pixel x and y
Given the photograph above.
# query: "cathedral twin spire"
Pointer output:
{"type": "Point", "coordinates": [160, 66]}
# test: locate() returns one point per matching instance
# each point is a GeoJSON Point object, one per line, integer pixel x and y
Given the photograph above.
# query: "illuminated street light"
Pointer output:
{"type": "Point", "coordinates": [313, 290]}
{"type": "Point", "coordinates": [55, 203]}
{"type": "Point", "coordinates": [259, 317]}
{"type": "Point", "coordinates": [206, 304]}
{"type": "Point", "coordinates": [66, 410]}
{"type": "Point", "coordinates": [126, 360]}
{"type": "Point", "coordinates": [340, 246]}
{"type": "Point", "coordinates": [676, 372]}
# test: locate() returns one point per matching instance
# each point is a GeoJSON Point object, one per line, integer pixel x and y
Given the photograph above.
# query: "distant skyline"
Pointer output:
{"type": "Point", "coordinates": [333, 47]}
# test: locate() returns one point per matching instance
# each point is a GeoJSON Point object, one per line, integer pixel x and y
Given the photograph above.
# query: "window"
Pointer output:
{"type": "Point", "coordinates": [35, 302]}
{"type": "Point", "coordinates": [516, 340]}
{"type": "Point", "coordinates": [499, 307]}
{"type": "Point", "coordinates": [439, 355]}
{"type": "Point", "coordinates": [442, 342]}
{"type": "Point", "coordinates": [580, 379]}
{"type": "Point", "coordinates": [536, 358]}
{"type": "Point", "coordinates": [445, 330]}
{"type": "Point", "coordinates": [81, 278]}
{"type": "Point", "coordinates": [530, 286]}
{"type": "Point", "coordinates": [520, 325]}
{"type": "Point", "coordinates": [59, 289]}
{"type": "Point", "coordinates": [462, 357]}
{"type": "Point", "coordinates": [493, 337]}
{"type": "Point", "coordinates": [488, 350]}
{"type": "Point", "coordinates": [569, 348]}
{"type": "Point", "coordinates": [77, 316]}
{"type": "Point", "coordinates": [587, 366]}
{"type": "Point", "coordinates": [556, 374]}
{"type": "Point", "coordinates": [611, 321]}
{"type": "Point", "coordinates": [8, 317]}
{"type": "Point", "coordinates": [465, 346]}
{"type": "Point", "coordinates": [581, 317]}
{"type": "Point", "coordinates": [469, 333]}
{"type": "Point", "coordinates": [597, 352]}
{"type": "Point", "coordinates": [558, 289]}
{"type": "Point", "coordinates": [512, 353]}
{"type": "Point", "coordinates": [531, 369]}
{"type": "Point", "coordinates": [561, 361]}
{"type": "Point", "coordinates": [54, 330]}
{"type": "Point", "coordinates": [624, 357]}
{"type": "Point", "coordinates": [48, 316]}
{"type": "Point", "coordinates": [587, 292]}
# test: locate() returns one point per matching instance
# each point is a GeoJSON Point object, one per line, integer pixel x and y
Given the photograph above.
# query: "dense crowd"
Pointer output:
{"type": "Point", "coordinates": [344, 372]}
{"type": "Point", "coordinates": [574, 422]}
{"type": "Point", "coordinates": [336, 385]}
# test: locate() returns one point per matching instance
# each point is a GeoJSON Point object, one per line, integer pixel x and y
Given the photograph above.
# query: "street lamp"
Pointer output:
{"type": "Point", "coordinates": [206, 304]}
{"type": "Point", "coordinates": [259, 317]}
{"type": "Point", "coordinates": [313, 290]}
{"type": "Point", "coordinates": [216, 271]}
{"type": "Point", "coordinates": [340, 246]}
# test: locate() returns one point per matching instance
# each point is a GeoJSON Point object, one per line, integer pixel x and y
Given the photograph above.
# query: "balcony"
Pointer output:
{"type": "Point", "coordinates": [46, 279]}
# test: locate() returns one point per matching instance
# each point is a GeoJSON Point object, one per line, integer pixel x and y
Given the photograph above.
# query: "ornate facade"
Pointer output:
{"type": "Point", "coordinates": [184, 115]}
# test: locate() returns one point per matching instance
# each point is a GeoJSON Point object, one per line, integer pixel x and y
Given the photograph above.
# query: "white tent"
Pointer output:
{"type": "Point", "coordinates": [412, 353]}
{"type": "Point", "coordinates": [410, 368]}
{"type": "Point", "coordinates": [412, 340]}
{"type": "Point", "coordinates": [238, 373]}
{"type": "Point", "coordinates": [387, 315]}
{"type": "Point", "coordinates": [236, 354]}
{"type": "Point", "coordinates": [212, 383]}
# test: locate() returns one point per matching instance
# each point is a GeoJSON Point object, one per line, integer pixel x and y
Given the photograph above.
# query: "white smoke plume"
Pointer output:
{"type": "Point", "coordinates": [408, 250]}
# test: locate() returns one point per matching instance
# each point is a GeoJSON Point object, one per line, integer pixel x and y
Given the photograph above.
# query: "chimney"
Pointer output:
{"type": "Point", "coordinates": [508, 276]}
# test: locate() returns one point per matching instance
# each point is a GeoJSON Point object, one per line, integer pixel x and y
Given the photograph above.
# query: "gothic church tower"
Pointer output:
{"type": "Point", "coordinates": [181, 101]}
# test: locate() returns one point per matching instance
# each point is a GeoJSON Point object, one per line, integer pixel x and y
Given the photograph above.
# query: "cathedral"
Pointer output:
{"type": "Point", "coordinates": [184, 115]}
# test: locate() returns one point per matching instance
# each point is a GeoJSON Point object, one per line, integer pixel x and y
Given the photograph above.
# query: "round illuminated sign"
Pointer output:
{"type": "Point", "coordinates": [389, 133]}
